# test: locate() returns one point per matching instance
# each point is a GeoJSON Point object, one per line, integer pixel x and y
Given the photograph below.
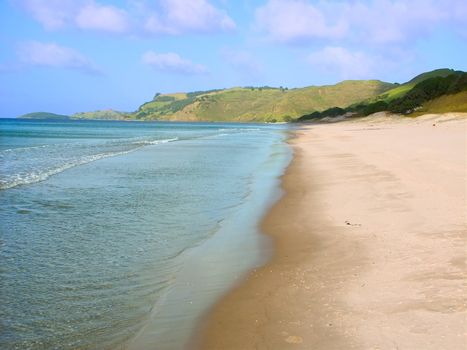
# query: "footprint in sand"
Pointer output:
{"type": "Point", "coordinates": [294, 339]}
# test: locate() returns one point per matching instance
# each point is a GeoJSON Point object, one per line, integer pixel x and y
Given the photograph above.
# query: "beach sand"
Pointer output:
{"type": "Point", "coordinates": [370, 244]}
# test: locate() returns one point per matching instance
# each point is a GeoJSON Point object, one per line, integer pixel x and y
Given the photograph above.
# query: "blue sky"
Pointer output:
{"type": "Point", "coordinates": [66, 56]}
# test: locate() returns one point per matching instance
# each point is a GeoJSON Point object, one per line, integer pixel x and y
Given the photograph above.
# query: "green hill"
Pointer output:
{"type": "Point", "coordinates": [428, 90]}
{"type": "Point", "coordinates": [260, 104]}
{"type": "Point", "coordinates": [44, 115]}
{"type": "Point", "coordinates": [444, 104]}
{"type": "Point", "coordinates": [442, 73]}
{"type": "Point", "coordinates": [432, 94]}
{"type": "Point", "coordinates": [108, 114]}
{"type": "Point", "coordinates": [402, 89]}
{"type": "Point", "coordinates": [268, 104]}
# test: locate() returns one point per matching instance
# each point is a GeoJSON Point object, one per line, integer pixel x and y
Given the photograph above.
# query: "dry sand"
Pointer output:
{"type": "Point", "coordinates": [370, 241]}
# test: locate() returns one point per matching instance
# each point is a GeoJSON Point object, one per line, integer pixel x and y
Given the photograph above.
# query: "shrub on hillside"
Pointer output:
{"type": "Point", "coordinates": [427, 90]}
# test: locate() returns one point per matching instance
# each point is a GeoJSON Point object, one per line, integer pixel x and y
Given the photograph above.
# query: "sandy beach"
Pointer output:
{"type": "Point", "coordinates": [370, 243]}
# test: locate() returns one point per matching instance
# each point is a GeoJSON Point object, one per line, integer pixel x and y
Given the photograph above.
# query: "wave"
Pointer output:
{"type": "Point", "coordinates": [155, 142]}
{"type": "Point", "coordinates": [31, 148]}
{"type": "Point", "coordinates": [28, 178]}
{"type": "Point", "coordinates": [22, 148]}
{"type": "Point", "coordinates": [239, 129]}
{"type": "Point", "coordinates": [22, 172]}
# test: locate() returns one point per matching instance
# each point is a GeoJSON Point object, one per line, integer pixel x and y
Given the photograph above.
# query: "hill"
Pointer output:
{"type": "Point", "coordinates": [269, 104]}
{"type": "Point", "coordinates": [44, 115]}
{"type": "Point", "coordinates": [259, 104]}
{"type": "Point", "coordinates": [108, 114]}
{"type": "Point", "coordinates": [444, 104]}
{"type": "Point", "coordinates": [432, 94]}
{"type": "Point", "coordinates": [402, 89]}
{"type": "Point", "coordinates": [442, 73]}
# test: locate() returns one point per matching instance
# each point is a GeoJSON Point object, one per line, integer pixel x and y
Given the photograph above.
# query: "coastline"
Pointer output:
{"type": "Point", "coordinates": [186, 229]}
{"type": "Point", "coordinates": [210, 268]}
{"type": "Point", "coordinates": [369, 243]}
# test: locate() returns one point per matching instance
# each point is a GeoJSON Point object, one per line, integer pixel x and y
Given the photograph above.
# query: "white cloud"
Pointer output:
{"type": "Point", "coordinates": [384, 21]}
{"type": "Point", "coordinates": [104, 18]}
{"type": "Point", "coordinates": [157, 17]}
{"type": "Point", "coordinates": [296, 20]}
{"type": "Point", "coordinates": [371, 22]}
{"type": "Point", "coordinates": [84, 14]}
{"type": "Point", "coordinates": [181, 16]}
{"type": "Point", "coordinates": [53, 55]}
{"type": "Point", "coordinates": [172, 62]}
{"type": "Point", "coordinates": [344, 63]}
{"type": "Point", "coordinates": [52, 14]}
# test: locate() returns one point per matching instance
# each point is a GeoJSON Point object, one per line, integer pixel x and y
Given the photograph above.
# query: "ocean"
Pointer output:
{"type": "Point", "coordinates": [121, 235]}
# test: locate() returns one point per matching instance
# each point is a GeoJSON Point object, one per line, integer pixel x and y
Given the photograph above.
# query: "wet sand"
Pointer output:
{"type": "Point", "coordinates": [370, 244]}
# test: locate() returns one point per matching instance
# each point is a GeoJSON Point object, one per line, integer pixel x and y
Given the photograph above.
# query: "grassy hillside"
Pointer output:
{"type": "Point", "coordinates": [435, 94]}
{"type": "Point", "coordinates": [428, 90]}
{"type": "Point", "coordinates": [43, 115]}
{"type": "Point", "coordinates": [267, 104]}
{"type": "Point", "coordinates": [442, 73]}
{"type": "Point", "coordinates": [107, 114]}
{"type": "Point", "coordinates": [402, 89]}
{"type": "Point", "coordinates": [257, 103]}
{"type": "Point", "coordinates": [447, 103]}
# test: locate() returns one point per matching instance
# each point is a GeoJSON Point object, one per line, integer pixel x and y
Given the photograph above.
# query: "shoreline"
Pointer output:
{"type": "Point", "coordinates": [213, 266]}
{"type": "Point", "coordinates": [368, 244]}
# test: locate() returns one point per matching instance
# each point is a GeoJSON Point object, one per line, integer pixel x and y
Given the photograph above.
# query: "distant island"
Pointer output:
{"type": "Point", "coordinates": [437, 91]}
{"type": "Point", "coordinates": [107, 114]}
{"type": "Point", "coordinates": [44, 115]}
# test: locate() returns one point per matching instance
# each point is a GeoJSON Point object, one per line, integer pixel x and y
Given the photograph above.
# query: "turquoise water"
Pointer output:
{"type": "Point", "coordinates": [122, 234]}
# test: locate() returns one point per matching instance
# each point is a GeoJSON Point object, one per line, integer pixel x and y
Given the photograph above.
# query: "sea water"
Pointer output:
{"type": "Point", "coordinates": [123, 234]}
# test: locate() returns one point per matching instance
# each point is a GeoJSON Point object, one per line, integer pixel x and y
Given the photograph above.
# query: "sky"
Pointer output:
{"type": "Point", "coordinates": [68, 56]}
